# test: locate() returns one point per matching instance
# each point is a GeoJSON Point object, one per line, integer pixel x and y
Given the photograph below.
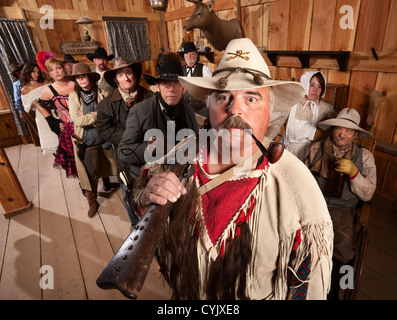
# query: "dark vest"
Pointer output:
{"type": "Point", "coordinates": [198, 106]}
{"type": "Point", "coordinates": [348, 198]}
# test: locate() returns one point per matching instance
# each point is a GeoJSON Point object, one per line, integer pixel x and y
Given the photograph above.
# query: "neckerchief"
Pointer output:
{"type": "Point", "coordinates": [325, 166]}
{"type": "Point", "coordinates": [128, 97]}
{"type": "Point", "coordinates": [87, 96]}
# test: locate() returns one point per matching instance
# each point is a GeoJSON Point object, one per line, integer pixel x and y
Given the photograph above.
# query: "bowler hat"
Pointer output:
{"type": "Point", "coordinates": [99, 53]}
{"type": "Point", "coordinates": [169, 71]}
{"type": "Point", "coordinates": [83, 69]}
{"type": "Point", "coordinates": [119, 64]}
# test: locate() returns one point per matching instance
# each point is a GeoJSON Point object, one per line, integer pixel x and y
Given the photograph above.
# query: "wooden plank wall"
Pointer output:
{"type": "Point", "coordinates": [315, 25]}
{"type": "Point", "coordinates": [66, 12]}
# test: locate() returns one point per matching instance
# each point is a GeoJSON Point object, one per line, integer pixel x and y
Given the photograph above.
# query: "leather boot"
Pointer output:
{"type": "Point", "coordinates": [92, 202]}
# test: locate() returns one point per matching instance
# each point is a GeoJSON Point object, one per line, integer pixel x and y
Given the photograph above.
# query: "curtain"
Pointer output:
{"type": "Point", "coordinates": [128, 38]}
{"type": "Point", "coordinates": [16, 46]}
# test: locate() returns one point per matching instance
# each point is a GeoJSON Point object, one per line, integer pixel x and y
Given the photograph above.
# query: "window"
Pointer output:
{"type": "Point", "coordinates": [128, 38]}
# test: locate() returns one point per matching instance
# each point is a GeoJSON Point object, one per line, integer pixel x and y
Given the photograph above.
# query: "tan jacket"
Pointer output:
{"type": "Point", "coordinates": [81, 121]}
{"type": "Point", "coordinates": [288, 199]}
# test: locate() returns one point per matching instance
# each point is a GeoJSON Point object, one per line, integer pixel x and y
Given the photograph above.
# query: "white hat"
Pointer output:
{"type": "Point", "coordinates": [347, 118]}
{"type": "Point", "coordinates": [307, 76]}
{"type": "Point", "coordinates": [242, 67]}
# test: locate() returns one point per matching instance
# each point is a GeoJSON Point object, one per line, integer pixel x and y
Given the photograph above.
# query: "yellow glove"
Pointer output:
{"type": "Point", "coordinates": [346, 166]}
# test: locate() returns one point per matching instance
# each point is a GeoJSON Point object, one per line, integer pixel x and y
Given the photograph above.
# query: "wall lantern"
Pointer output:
{"type": "Point", "coordinates": [160, 5]}
{"type": "Point", "coordinates": [84, 21]}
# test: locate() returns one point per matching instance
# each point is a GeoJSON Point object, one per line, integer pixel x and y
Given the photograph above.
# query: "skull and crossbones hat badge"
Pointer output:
{"type": "Point", "coordinates": [242, 67]}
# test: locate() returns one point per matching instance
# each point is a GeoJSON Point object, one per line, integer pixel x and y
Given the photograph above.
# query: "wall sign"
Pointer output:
{"type": "Point", "coordinates": [78, 47]}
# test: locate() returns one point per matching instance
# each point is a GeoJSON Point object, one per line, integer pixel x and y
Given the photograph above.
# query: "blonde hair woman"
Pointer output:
{"type": "Point", "coordinates": [56, 96]}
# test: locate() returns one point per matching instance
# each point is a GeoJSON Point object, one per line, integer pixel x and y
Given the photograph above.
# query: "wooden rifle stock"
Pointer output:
{"type": "Point", "coordinates": [127, 270]}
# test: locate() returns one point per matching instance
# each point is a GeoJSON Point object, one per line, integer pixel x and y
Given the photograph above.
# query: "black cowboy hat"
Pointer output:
{"type": "Point", "coordinates": [69, 58]}
{"type": "Point", "coordinates": [170, 71]}
{"type": "Point", "coordinates": [99, 53]}
{"type": "Point", "coordinates": [188, 47]}
{"type": "Point", "coordinates": [120, 64]}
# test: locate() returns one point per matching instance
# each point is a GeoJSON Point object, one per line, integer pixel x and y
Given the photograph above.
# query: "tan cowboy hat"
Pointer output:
{"type": "Point", "coordinates": [347, 118]}
{"type": "Point", "coordinates": [242, 67]}
{"type": "Point", "coordinates": [82, 68]}
{"type": "Point", "coordinates": [119, 64]}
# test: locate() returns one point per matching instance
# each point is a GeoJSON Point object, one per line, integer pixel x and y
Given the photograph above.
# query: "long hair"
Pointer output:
{"type": "Point", "coordinates": [321, 80]}
{"type": "Point", "coordinates": [27, 71]}
{"type": "Point", "coordinates": [94, 86]}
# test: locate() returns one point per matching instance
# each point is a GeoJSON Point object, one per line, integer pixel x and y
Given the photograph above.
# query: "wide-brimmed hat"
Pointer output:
{"type": "Point", "coordinates": [83, 69]}
{"type": "Point", "coordinates": [187, 47]}
{"type": "Point", "coordinates": [119, 64]}
{"type": "Point", "coordinates": [69, 58]}
{"type": "Point", "coordinates": [169, 71]}
{"type": "Point", "coordinates": [14, 68]}
{"type": "Point", "coordinates": [242, 67]}
{"type": "Point", "coordinates": [347, 118]}
{"type": "Point", "coordinates": [99, 53]}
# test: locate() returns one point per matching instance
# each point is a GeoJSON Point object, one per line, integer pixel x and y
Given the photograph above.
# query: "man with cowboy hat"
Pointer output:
{"type": "Point", "coordinates": [113, 110]}
{"type": "Point", "coordinates": [101, 60]}
{"type": "Point", "coordinates": [68, 62]}
{"type": "Point", "coordinates": [252, 228]}
{"type": "Point", "coordinates": [166, 105]}
{"type": "Point", "coordinates": [193, 68]}
{"type": "Point", "coordinates": [338, 156]}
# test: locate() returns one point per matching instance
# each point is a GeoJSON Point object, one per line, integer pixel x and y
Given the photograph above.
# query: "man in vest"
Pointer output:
{"type": "Point", "coordinates": [193, 68]}
{"type": "Point", "coordinates": [338, 156]}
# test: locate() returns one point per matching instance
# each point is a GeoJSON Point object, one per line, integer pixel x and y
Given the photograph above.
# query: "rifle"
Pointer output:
{"type": "Point", "coordinates": [127, 270]}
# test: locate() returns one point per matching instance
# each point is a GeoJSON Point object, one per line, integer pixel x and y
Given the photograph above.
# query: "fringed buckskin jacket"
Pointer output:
{"type": "Point", "coordinates": [259, 234]}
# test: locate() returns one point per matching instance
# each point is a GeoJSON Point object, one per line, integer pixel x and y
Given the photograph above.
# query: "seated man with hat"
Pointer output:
{"type": "Point", "coordinates": [101, 60]}
{"type": "Point", "coordinates": [193, 68]}
{"type": "Point", "coordinates": [114, 109]}
{"type": "Point", "coordinates": [340, 156]}
{"type": "Point", "coordinates": [251, 227]}
{"type": "Point", "coordinates": [166, 105]}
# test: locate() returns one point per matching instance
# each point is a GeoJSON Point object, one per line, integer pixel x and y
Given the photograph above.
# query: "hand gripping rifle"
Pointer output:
{"type": "Point", "coordinates": [127, 270]}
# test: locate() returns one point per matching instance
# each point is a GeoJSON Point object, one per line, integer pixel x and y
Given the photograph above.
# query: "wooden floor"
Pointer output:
{"type": "Point", "coordinates": [58, 233]}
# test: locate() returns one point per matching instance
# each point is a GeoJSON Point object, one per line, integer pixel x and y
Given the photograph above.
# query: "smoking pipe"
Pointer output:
{"type": "Point", "coordinates": [275, 151]}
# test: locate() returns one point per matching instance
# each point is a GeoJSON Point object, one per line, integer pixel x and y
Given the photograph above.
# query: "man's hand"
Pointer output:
{"type": "Point", "coordinates": [346, 166]}
{"type": "Point", "coordinates": [161, 188]}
